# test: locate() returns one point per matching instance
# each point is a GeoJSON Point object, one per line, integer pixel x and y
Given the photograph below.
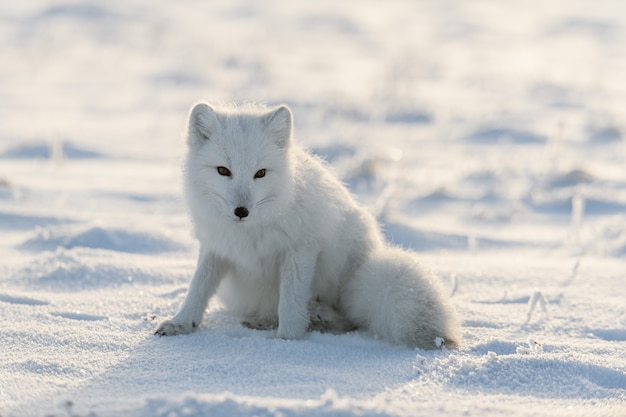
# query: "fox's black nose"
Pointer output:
{"type": "Point", "coordinates": [241, 212]}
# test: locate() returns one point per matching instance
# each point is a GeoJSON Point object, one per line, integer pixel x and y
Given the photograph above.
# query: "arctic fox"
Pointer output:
{"type": "Point", "coordinates": [288, 246]}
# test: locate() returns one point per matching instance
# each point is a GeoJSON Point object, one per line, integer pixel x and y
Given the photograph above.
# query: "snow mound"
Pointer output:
{"type": "Point", "coordinates": [428, 240]}
{"type": "Point", "coordinates": [329, 404]}
{"type": "Point", "coordinates": [11, 221]}
{"type": "Point", "coordinates": [571, 178]}
{"type": "Point", "coordinates": [611, 335]}
{"type": "Point", "coordinates": [96, 237]}
{"type": "Point", "coordinates": [408, 117]}
{"type": "Point", "coordinates": [77, 270]}
{"type": "Point", "coordinates": [45, 150]}
{"type": "Point", "coordinates": [607, 135]}
{"type": "Point", "coordinates": [536, 375]}
{"type": "Point", "coordinates": [86, 12]}
{"type": "Point", "coordinates": [501, 135]}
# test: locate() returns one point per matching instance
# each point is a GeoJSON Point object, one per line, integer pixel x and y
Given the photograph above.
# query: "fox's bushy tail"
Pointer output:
{"type": "Point", "coordinates": [398, 300]}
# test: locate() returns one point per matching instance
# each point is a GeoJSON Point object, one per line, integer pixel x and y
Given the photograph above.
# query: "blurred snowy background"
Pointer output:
{"type": "Point", "coordinates": [488, 135]}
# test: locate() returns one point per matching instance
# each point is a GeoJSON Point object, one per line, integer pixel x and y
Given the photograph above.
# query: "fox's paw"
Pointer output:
{"type": "Point", "coordinates": [171, 328]}
{"type": "Point", "coordinates": [325, 319]}
{"type": "Point", "coordinates": [291, 330]}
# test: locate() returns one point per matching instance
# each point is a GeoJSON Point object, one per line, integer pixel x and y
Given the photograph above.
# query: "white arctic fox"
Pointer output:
{"type": "Point", "coordinates": [288, 245]}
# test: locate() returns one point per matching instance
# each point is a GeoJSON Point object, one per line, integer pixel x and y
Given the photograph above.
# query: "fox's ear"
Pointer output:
{"type": "Point", "coordinates": [202, 123]}
{"type": "Point", "coordinates": [279, 122]}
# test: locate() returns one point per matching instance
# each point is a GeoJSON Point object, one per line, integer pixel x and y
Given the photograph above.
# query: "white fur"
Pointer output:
{"type": "Point", "coordinates": [399, 300]}
{"type": "Point", "coordinates": [307, 255]}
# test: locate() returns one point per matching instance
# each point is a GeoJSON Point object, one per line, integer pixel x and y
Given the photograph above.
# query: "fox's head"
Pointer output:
{"type": "Point", "coordinates": [238, 165]}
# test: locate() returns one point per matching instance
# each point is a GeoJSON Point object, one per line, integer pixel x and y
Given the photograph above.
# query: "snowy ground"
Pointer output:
{"type": "Point", "coordinates": [488, 136]}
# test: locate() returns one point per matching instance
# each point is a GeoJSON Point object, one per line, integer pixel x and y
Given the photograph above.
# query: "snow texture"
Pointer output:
{"type": "Point", "coordinates": [487, 136]}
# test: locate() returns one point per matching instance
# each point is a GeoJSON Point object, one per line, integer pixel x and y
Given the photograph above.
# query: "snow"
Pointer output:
{"type": "Point", "coordinates": [489, 137]}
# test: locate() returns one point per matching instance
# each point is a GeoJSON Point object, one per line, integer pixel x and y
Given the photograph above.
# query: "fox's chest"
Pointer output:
{"type": "Point", "coordinates": [248, 248]}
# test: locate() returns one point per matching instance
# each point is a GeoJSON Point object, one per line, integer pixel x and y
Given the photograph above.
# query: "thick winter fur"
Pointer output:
{"type": "Point", "coordinates": [288, 246]}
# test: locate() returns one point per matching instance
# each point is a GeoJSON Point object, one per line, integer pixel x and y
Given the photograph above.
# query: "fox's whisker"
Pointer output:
{"type": "Point", "coordinates": [213, 193]}
{"type": "Point", "coordinates": [266, 200]}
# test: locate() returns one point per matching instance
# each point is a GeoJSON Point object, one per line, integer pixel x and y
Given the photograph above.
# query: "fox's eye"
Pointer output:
{"type": "Point", "coordinates": [223, 171]}
{"type": "Point", "coordinates": [260, 173]}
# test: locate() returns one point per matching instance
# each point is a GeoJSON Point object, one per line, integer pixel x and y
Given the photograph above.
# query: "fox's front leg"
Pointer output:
{"type": "Point", "coordinates": [207, 277]}
{"type": "Point", "coordinates": [295, 291]}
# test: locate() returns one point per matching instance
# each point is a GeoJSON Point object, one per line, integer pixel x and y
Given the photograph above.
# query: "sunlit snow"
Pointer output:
{"type": "Point", "coordinates": [489, 136]}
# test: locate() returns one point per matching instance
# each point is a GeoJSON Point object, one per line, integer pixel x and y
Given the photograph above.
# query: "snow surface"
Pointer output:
{"type": "Point", "coordinates": [488, 136]}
